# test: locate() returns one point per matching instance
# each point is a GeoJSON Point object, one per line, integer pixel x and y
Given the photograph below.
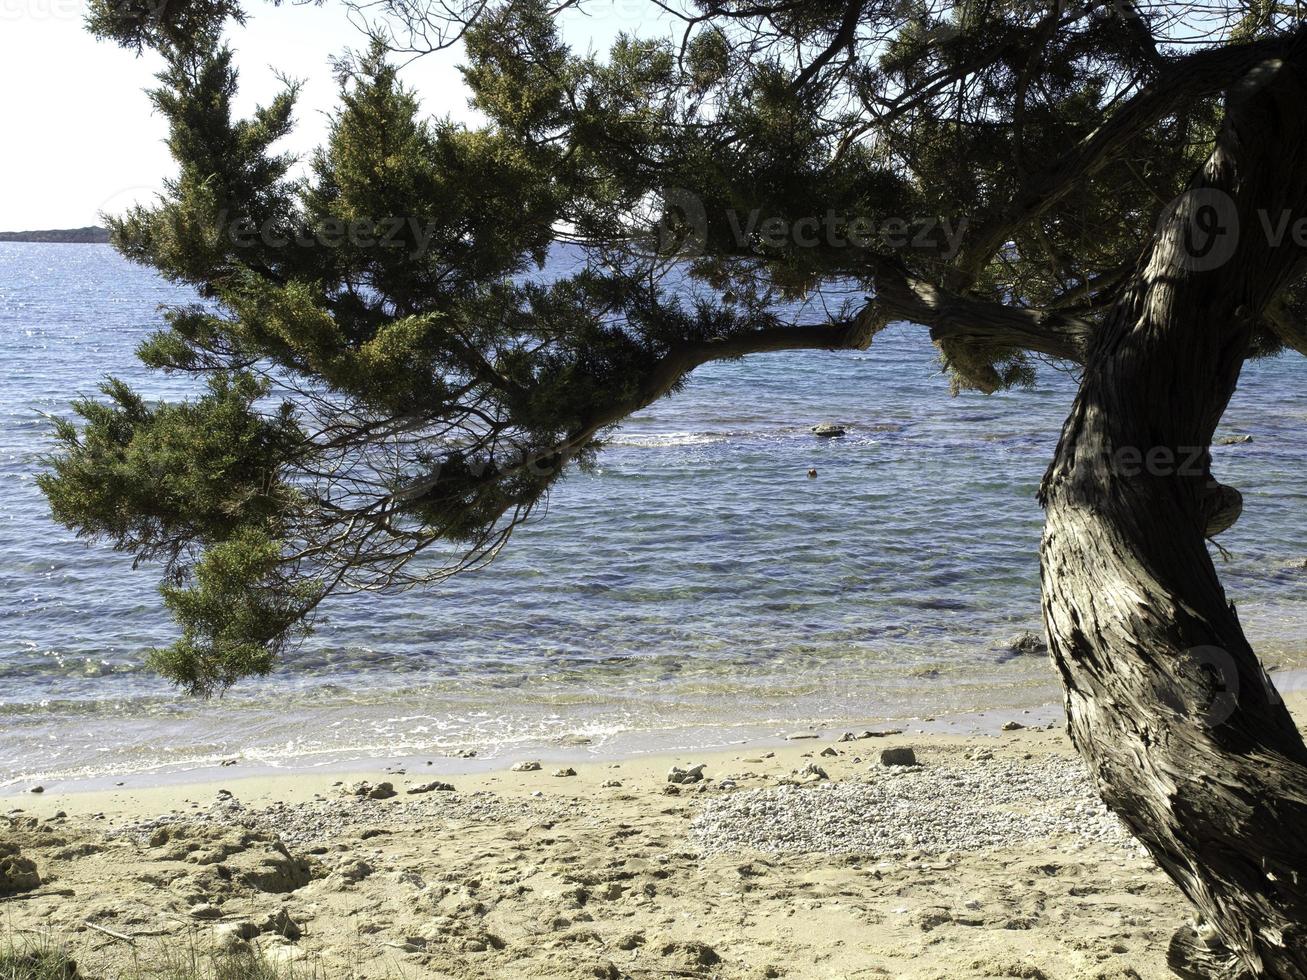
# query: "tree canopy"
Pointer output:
{"type": "Point", "coordinates": [389, 386]}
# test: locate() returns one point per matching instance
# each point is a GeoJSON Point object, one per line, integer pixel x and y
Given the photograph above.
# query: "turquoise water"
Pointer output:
{"type": "Point", "coordinates": [698, 579]}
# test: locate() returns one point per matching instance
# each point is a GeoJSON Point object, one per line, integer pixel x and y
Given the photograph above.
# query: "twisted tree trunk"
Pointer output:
{"type": "Point", "coordinates": [1166, 701]}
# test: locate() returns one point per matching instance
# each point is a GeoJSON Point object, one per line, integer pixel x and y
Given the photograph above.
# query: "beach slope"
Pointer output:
{"type": "Point", "coordinates": [988, 857]}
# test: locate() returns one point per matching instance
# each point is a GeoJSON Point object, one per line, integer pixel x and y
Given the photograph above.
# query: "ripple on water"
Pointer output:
{"type": "Point", "coordinates": [698, 578]}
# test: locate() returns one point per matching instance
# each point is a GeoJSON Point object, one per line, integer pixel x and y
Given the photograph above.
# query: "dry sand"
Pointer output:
{"type": "Point", "coordinates": [990, 858]}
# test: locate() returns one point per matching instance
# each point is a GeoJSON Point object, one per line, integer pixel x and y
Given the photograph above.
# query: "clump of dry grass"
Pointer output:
{"type": "Point", "coordinates": [45, 959]}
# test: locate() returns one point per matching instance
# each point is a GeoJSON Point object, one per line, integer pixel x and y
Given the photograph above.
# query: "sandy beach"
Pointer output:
{"type": "Point", "coordinates": [818, 856]}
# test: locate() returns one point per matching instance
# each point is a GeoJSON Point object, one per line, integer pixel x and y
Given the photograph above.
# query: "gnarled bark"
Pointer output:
{"type": "Point", "coordinates": [1166, 701]}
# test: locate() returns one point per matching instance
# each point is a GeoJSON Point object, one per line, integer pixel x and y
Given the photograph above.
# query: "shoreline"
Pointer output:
{"type": "Point", "coordinates": [571, 749]}
{"type": "Point", "coordinates": [495, 775]}
{"type": "Point", "coordinates": [567, 750]}
{"type": "Point", "coordinates": [990, 856]}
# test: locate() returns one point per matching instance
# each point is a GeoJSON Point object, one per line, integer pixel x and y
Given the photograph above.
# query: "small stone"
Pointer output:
{"type": "Point", "coordinates": [355, 871]}
{"type": "Point", "coordinates": [526, 767]}
{"type": "Point", "coordinates": [811, 773]}
{"type": "Point", "coordinates": [611, 784]}
{"type": "Point", "coordinates": [902, 756]}
{"type": "Point", "coordinates": [1027, 644]}
{"type": "Point", "coordinates": [431, 787]}
{"type": "Point", "coordinates": [684, 776]}
{"type": "Point", "coordinates": [1234, 440]}
{"type": "Point", "coordinates": [381, 791]}
{"type": "Point", "coordinates": [565, 771]}
{"type": "Point", "coordinates": [206, 911]}
{"type": "Point", "coordinates": [827, 430]}
{"type": "Point", "coordinates": [1013, 726]}
{"type": "Point", "coordinates": [230, 937]}
{"type": "Point", "coordinates": [572, 739]}
{"type": "Point", "coordinates": [281, 924]}
{"type": "Point", "coordinates": [829, 752]}
{"type": "Point", "coordinates": [38, 789]}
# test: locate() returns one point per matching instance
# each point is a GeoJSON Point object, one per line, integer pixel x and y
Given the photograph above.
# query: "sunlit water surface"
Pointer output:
{"type": "Point", "coordinates": [697, 585]}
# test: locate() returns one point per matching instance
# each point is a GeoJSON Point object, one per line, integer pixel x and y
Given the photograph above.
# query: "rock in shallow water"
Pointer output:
{"type": "Point", "coordinates": [1027, 644]}
{"type": "Point", "coordinates": [827, 430]}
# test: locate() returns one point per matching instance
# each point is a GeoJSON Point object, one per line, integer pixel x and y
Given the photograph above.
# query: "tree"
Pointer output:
{"type": "Point", "coordinates": [1111, 186]}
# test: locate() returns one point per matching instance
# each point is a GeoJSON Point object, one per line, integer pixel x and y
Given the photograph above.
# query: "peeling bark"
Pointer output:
{"type": "Point", "coordinates": [1167, 702]}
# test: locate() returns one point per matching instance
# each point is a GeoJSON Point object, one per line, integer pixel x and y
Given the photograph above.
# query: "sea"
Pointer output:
{"type": "Point", "coordinates": [696, 589]}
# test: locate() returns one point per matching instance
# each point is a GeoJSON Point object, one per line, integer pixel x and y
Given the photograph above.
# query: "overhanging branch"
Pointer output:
{"type": "Point", "coordinates": [1197, 76]}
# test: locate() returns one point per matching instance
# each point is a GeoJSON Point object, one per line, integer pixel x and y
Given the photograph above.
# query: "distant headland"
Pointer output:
{"type": "Point", "coordinates": [93, 235]}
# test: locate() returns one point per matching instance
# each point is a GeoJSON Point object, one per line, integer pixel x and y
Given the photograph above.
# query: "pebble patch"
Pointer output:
{"type": "Point", "coordinates": [927, 809]}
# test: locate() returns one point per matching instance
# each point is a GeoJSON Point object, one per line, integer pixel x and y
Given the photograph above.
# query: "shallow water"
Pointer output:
{"type": "Point", "coordinates": [697, 579]}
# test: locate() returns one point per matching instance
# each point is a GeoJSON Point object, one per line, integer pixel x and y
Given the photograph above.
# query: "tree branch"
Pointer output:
{"type": "Point", "coordinates": [1197, 76]}
{"type": "Point", "coordinates": [951, 315]}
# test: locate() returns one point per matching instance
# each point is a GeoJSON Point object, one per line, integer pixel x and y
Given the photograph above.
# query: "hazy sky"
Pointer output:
{"type": "Point", "coordinates": [80, 137]}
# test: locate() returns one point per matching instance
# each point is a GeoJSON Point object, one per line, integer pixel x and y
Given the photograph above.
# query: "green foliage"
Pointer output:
{"type": "Point", "coordinates": [166, 24]}
{"type": "Point", "coordinates": [389, 388]}
{"type": "Point", "coordinates": [172, 481]}
{"type": "Point", "coordinates": [237, 611]}
{"type": "Point", "coordinates": [163, 477]}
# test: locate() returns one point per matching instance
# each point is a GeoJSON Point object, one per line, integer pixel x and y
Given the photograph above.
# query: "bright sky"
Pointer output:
{"type": "Point", "coordinates": [79, 134]}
